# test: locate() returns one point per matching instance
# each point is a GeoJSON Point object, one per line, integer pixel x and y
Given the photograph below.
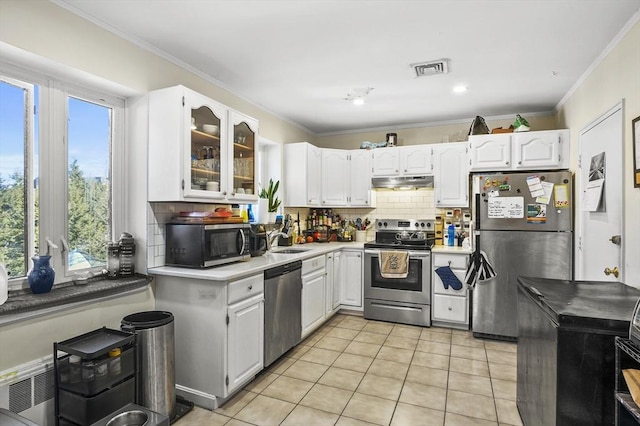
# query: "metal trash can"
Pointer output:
{"type": "Point", "coordinates": [155, 349]}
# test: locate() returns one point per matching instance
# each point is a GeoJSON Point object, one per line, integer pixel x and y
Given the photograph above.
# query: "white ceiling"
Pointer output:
{"type": "Point", "coordinates": [299, 59]}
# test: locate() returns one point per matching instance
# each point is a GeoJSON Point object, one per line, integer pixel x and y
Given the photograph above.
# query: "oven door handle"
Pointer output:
{"type": "Point", "coordinates": [412, 254]}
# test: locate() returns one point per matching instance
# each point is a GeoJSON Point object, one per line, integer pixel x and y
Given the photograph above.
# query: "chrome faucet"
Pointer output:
{"type": "Point", "coordinates": [285, 232]}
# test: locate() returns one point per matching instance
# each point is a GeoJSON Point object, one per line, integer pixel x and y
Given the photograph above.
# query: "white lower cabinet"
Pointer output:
{"type": "Point", "coordinates": [332, 287]}
{"type": "Point", "coordinates": [449, 307]}
{"type": "Point", "coordinates": [246, 340]}
{"type": "Point", "coordinates": [313, 294]}
{"type": "Point", "coordinates": [351, 285]}
{"type": "Point", "coordinates": [219, 334]}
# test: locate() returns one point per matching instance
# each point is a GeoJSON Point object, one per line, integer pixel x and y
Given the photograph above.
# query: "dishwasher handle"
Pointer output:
{"type": "Point", "coordinates": [283, 269]}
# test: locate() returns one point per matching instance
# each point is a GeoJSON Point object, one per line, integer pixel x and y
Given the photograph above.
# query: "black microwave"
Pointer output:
{"type": "Point", "coordinates": [201, 246]}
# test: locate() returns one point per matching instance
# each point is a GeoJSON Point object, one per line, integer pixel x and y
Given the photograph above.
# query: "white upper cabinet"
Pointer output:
{"type": "Point", "coordinates": [360, 194]}
{"type": "Point", "coordinates": [491, 152]}
{"type": "Point", "coordinates": [543, 150]}
{"type": "Point", "coordinates": [540, 150]}
{"type": "Point", "coordinates": [415, 160]}
{"type": "Point", "coordinates": [243, 145]}
{"type": "Point", "coordinates": [302, 175]}
{"type": "Point", "coordinates": [335, 177]}
{"type": "Point", "coordinates": [412, 160]}
{"type": "Point", "coordinates": [327, 178]}
{"type": "Point", "coordinates": [385, 161]}
{"type": "Point", "coordinates": [451, 174]}
{"type": "Point", "coordinates": [199, 150]}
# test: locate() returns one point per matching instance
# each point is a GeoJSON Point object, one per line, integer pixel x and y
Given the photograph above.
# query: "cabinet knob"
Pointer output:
{"type": "Point", "coordinates": [309, 201]}
{"type": "Point", "coordinates": [450, 308]}
{"type": "Point", "coordinates": [506, 162]}
{"type": "Point", "coordinates": [250, 287]}
{"type": "Point", "coordinates": [224, 193]}
{"type": "Point", "coordinates": [358, 255]}
{"type": "Point", "coordinates": [405, 170]}
{"type": "Point", "coordinates": [519, 162]}
{"type": "Point", "coordinates": [396, 170]}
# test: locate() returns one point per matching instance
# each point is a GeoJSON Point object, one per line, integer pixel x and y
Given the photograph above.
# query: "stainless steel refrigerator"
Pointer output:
{"type": "Point", "coordinates": [525, 226]}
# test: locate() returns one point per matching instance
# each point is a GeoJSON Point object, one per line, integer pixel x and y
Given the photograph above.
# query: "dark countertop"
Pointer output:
{"type": "Point", "coordinates": [588, 303]}
{"type": "Point", "coordinates": [23, 301]}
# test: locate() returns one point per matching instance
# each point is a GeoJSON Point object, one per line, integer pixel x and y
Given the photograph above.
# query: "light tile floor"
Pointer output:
{"type": "Point", "coordinates": [354, 371]}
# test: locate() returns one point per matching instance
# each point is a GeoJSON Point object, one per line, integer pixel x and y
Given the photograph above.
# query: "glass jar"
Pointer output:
{"type": "Point", "coordinates": [115, 366]}
{"type": "Point", "coordinates": [75, 369]}
{"type": "Point", "coordinates": [113, 260]}
{"type": "Point", "coordinates": [127, 248]}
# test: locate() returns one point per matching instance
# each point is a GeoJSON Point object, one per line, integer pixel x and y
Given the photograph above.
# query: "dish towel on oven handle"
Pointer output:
{"type": "Point", "coordinates": [448, 278]}
{"type": "Point", "coordinates": [394, 263]}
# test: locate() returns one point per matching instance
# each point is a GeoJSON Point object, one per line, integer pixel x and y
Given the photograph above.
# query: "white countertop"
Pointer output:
{"type": "Point", "coordinates": [451, 249]}
{"type": "Point", "coordinates": [255, 265]}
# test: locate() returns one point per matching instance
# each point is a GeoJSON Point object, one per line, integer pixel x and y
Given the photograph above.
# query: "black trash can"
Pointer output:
{"type": "Point", "coordinates": [155, 348]}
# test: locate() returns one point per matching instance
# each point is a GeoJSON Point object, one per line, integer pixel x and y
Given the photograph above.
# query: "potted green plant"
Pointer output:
{"type": "Point", "coordinates": [270, 207]}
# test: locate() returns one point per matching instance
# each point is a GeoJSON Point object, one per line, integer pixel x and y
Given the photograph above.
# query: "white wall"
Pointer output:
{"type": "Point", "coordinates": [617, 77]}
{"type": "Point", "coordinates": [59, 37]}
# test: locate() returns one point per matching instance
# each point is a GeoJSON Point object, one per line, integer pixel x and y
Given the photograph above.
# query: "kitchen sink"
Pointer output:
{"type": "Point", "coordinates": [288, 251]}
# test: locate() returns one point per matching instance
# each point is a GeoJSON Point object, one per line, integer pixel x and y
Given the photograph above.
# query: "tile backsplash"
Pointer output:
{"type": "Point", "coordinates": [414, 204]}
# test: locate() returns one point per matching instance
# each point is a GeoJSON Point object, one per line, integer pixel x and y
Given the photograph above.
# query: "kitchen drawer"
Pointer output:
{"type": "Point", "coordinates": [313, 264]}
{"type": "Point", "coordinates": [449, 308]}
{"type": "Point", "coordinates": [246, 287]}
{"type": "Point", "coordinates": [438, 287]}
{"type": "Point", "coordinates": [454, 261]}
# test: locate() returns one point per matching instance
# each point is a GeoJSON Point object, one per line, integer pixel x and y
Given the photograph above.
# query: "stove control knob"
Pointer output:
{"type": "Point", "coordinates": [416, 225]}
{"type": "Point", "coordinates": [385, 224]}
{"type": "Point", "coordinates": [379, 224]}
{"type": "Point", "coordinates": [428, 224]}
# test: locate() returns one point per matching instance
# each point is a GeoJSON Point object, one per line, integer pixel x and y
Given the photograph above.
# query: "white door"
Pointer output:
{"type": "Point", "coordinates": [539, 150]}
{"type": "Point", "coordinates": [312, 300]}
{"type": "Point", "coordinates": [451, 174]}
{"type": "Point", "coordinates": [335, 177]}
{"type": "Point", "coordinates": [351, 290]}
{"type": "Point", "coordinates": [246, 340]}
{"type": "Point", "coordinates": [386, 162]}
{"type": "Point", "coordinates": [490, 152]}
{"type": "Point", "coordinates": [360, 178]}
{"type": "Point", "coordinates": [598, 245]}
{"type": "Point", "coordinates": [415, 160]}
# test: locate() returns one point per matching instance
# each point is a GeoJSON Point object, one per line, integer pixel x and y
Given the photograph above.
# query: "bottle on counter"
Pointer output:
{"type": "Point", "coordinates": [451, 235]}
{"type": "Point", "coordinates": [113, 260]}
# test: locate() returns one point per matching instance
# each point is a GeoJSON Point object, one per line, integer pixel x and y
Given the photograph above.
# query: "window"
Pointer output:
{"type": "Point", "coordinates": [60, 166]}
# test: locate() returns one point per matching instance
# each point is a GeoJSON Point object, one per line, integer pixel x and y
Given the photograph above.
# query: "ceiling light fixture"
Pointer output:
{"type": "Point", "coordinates": [459, 89]}
{"type": "Point", "coordinates": [357, 95]}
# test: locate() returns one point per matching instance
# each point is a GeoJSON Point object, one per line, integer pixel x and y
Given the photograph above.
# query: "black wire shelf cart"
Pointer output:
{"type": "Point", "coordinates": [627, 356]}
{"type": "Point", "coordinates": [94, 375]}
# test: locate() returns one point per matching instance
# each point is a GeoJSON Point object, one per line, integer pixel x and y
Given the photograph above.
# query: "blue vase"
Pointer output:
{"type": "Point", "coordinates": [42, 275]}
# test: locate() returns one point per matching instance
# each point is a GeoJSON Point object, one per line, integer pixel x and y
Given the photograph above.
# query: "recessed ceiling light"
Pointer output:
{"type": "Point", "coordinates": [459, 89]}
{"type": "Point", "coordinates": [357, 95]}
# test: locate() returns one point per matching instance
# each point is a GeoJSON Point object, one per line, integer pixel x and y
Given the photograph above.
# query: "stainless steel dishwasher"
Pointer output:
{"type": "Point", "coordinates": [282, 310]}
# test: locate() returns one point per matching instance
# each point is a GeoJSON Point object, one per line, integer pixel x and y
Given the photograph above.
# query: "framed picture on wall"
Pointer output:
{"type": "Point", "coordinates": [635, 127]}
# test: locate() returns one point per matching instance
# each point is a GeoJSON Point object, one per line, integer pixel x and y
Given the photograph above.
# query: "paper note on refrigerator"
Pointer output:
{"type": "Point", "coordinates": [561, 196]}
{"type": "Point", "coordinates": [535, 186]}
{"type": "Point", "coordinates": [505, 208]}
{"type": "Point", "coordinates": [547, 187]}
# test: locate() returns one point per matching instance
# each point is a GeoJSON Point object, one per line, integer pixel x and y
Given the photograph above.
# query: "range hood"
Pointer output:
{"type": "Point", "coordinates": [412, 182]}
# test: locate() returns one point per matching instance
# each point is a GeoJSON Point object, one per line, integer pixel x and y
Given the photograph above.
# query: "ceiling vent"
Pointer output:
{"type": "Point", "coordinates": [424, 69]}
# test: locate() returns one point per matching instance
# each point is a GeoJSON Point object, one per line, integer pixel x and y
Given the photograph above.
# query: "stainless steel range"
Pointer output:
{"type": "Point", "coordinates": [404, 300]}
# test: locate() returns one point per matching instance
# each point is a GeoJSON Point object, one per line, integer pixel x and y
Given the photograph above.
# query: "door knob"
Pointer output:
{"type": "Point", "coordinates": [613, 271]}
{"type": "Point", "coordinates": [616, 239]}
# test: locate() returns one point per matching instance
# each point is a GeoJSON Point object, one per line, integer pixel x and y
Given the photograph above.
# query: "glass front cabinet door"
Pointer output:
{"type": "Point", "coordinates": [243, 132]}
{"type": "Point", "coordinates": [204, 169]}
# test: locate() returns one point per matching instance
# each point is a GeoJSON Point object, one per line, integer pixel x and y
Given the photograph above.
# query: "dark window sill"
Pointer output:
{"type": "Point", "coordinates": [23, 304]}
